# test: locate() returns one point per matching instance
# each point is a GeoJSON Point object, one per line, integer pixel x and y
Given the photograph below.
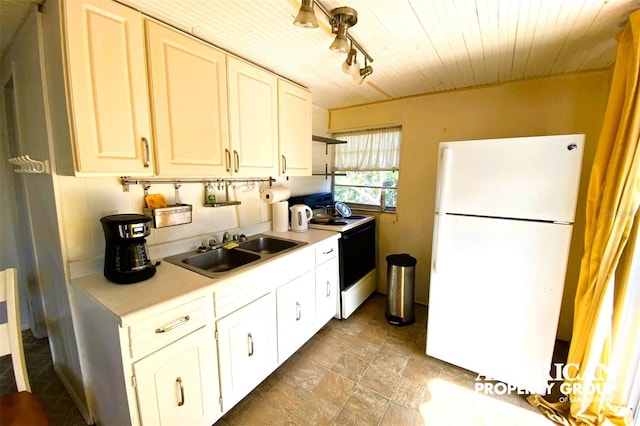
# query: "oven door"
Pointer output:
{"type": "Point", "coordinates": [357, 253]}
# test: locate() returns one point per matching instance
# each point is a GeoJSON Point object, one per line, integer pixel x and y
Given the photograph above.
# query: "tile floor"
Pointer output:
{"type": "Point", "coordinates": [45, 384]}
{"type": "Point", "coordinates": [364, 371]}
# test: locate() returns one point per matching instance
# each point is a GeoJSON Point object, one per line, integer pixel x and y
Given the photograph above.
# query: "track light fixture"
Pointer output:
{"type": "Point", "coordinates": [341, 19]}
{"type": "Point", "coordinates": [363, 73]}
{"type": "Point", "coordinates": [341, 44]}
{"type": "Point", "coordinates": [350, 65]}
{"type": "Point", "coordinates": [306, 16]}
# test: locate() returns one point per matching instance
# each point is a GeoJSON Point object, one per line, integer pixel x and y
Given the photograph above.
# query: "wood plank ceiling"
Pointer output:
{"type": "Point", "coordinates": [418, 46]}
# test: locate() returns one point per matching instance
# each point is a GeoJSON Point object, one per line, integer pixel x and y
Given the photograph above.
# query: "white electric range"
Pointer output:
{"type": "Point", "coordinates": [357, 254]}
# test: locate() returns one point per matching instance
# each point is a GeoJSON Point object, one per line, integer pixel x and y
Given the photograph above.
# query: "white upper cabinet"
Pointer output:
{"type": "Point", "coordinates": [253, 119]}
{"type": "Point", "coordinates": [107, 88]}
{"type": "Point", "coordinates": [294, 128]}
{"type": "Point", "coordinates": [188, 89]}
{"type": "Point", "coordinates": [213, 114]}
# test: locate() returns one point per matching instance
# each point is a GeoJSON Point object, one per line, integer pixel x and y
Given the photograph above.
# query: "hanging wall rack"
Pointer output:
{"type": "Point", "coordinates": [177, 183]}
{"type": "Point", "coordinates": [25, 164]}
{"type": "Point", "coordinates": [125, 181]}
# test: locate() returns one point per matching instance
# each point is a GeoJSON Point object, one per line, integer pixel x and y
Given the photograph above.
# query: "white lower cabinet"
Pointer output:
{"type": "Point", "coordinates": [156, 366]}
{"type": "Point", "coordinates": [327, 291]}
{"type": "Point", "coordinates": [296, 314]}
{"type": "Point", "coordinates": [189, 360]}
{"type": "Point", "coordinates": [178, 385]}
{"type": "Point", "coordinates": [327, 281]}
{"type": "Point", "coordinates": [247, 348]}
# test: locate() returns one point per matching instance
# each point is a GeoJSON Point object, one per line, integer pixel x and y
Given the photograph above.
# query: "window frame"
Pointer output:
{"type": "Point", "coordinates": [369, 207]}
{"type": "Point", "coordinates": [381, 207]}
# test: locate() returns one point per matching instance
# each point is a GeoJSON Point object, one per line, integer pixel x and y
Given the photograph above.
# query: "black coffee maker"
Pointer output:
{"type": "Point", "coordinates": [126, 260]}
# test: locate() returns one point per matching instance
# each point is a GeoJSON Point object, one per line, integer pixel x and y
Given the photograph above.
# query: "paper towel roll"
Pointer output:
{"type": "Point", "coordinates": [273, 195]}
{"type": "Point", "coordinates": [280, 212]}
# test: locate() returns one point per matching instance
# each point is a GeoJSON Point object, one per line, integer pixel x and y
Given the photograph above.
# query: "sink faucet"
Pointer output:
{"type": "Point", "coordinates": [213, 243]}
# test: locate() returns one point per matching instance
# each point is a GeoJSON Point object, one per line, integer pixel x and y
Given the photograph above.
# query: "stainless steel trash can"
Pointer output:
{"type": "Point", "coordinates": [401, 271]}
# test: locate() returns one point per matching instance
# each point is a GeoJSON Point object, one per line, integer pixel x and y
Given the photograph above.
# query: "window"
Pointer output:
{"type": "Point", "coordinates": [369, 163]}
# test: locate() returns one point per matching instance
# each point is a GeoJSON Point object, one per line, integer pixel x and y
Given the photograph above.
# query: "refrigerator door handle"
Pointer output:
{"type": "Point", "coordinates": [442, 187]}
{"type": "Point", "coordinates": [438, 237]}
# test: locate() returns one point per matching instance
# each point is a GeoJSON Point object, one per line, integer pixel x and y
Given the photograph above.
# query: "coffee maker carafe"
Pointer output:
{"type": "Point", "coordinates": [126, 259]}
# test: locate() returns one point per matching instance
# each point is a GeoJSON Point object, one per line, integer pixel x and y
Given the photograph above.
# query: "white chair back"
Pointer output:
{"type": "Point", "coordinates": [10, 330]}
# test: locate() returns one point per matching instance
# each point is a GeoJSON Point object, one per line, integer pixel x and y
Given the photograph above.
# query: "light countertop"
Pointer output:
{"type": "Point", "coordinates": [172, 283]}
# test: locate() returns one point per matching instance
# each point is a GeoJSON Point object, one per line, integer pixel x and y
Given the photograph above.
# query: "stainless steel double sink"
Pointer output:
{"type": "Point", "coordinates": [218, 262]}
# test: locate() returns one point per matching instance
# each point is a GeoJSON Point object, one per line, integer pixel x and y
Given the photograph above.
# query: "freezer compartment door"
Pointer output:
{"type": "Point", "coordinates": [495, 296]}
{"type": "Point", "coordinates": [533, 178]}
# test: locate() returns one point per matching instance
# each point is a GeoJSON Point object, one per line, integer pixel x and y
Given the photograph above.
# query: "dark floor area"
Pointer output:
{"type": "Point", "coordinates": [45, 384]}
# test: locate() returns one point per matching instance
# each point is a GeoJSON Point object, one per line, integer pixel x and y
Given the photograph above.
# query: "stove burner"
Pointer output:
{"type": "Point", "coordinates": [337, 222]}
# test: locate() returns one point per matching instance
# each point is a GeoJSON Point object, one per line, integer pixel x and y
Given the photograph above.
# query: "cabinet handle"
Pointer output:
{"type": "Point", "coordinates": [173, 325]}
{"type": "Point", "coordinates": [228, 159]}
{"type": "Point", "coordinates": [180, 392]}
{"type": "Point", "coordinates": [236, 161]}
{"type": "Point", "coordinates": [298, 312]}
{"type": "Point", "coordinates": [329, 251]}
{"type": "Point", "coordinates": [147, 154]}
{"type": "Point", "coordinates": [284, 164]}
{"type": "Point", "coordinates": [250, 343]}
{"type": "Point", "coordinates": [328, 288]}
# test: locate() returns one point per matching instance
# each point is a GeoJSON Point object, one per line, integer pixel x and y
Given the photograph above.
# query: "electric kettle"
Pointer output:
{"type": "Point", "coordinates": [301, 214]}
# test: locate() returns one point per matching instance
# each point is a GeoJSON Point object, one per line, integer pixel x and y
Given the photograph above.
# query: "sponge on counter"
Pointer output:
{"type": "Point", "coordinates": [231, 245]}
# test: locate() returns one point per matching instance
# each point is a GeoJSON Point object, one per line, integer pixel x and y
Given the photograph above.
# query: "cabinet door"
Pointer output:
{"type": "Point", "coordinates": [327, 294]}
{"type": "Point", "coordinates": [296, 314]}
{"type": "Point", "coordinates": [294, 129]}
{"type": "Point", "coordinates": [178, 384]}
{"type": "Point", "coordinates": [107, 88]}
{"type": "Point", "coordinates": [247, 348]}
{"type": "Point", "coordinates": [189, 104]}
{"type": "Point", "coordinates": [253, 119]}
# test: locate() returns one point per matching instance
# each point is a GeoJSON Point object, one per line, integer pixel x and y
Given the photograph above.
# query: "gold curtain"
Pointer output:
{"type": "Point", "coordinates": [602, 356]}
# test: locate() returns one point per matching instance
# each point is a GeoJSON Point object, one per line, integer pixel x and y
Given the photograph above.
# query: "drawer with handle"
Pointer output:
{"type": "Point", "coordinates": [159, 330]}
{"type": "Point", "coordinates": [326, 250]}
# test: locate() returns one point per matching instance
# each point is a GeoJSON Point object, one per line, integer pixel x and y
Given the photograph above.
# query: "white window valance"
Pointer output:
{"type": "Point", "coordinates": [375, 149]}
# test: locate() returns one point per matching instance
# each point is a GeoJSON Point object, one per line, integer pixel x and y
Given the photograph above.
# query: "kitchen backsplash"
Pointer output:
{"type": "Point", "coordinates": [86, 200]}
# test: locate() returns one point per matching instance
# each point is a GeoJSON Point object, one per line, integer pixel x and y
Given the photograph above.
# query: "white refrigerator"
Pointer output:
{"type": "Point", "coordinates": [502, 229]}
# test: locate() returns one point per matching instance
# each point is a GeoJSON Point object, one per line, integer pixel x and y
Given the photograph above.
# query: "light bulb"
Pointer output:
{"type": "Point", "coordinates": [341, 44]}
{"type": "Point", "coordinates": [350, 65]}
{"type": "Point", "coordinates": [306, 17]}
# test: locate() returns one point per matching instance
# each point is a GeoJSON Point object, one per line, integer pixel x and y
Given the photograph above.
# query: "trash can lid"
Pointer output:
{"type": "Point", "coordinates": [401, 260]}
